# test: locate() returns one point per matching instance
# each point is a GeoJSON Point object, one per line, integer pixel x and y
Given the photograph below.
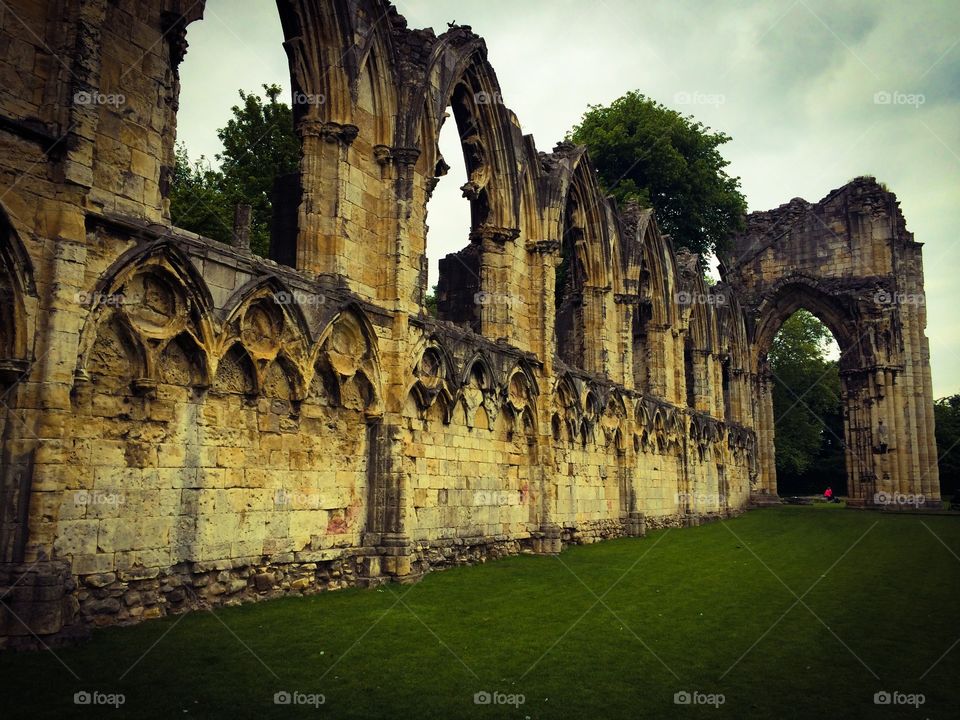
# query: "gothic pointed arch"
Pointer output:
{"type": "Point", "coordinates": [156, 294]}
{"type": "Point", "coordinates": [348, 346]}
{"type": "Point", "coordinates": [489, 133]}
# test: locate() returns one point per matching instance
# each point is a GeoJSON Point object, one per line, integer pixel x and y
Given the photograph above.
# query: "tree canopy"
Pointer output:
{"type": "Point", "coordinates": [946, 413]}
{"type": "Point", "coordinates": [806, 406]}
{"type": "Point", "coordinates": [645, 151]}
{"type": "Point", "coordinates": [259, 144]}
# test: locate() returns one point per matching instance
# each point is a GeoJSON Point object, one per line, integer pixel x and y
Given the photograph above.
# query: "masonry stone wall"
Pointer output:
{"type": "Point", "coordinates": [185, 424]}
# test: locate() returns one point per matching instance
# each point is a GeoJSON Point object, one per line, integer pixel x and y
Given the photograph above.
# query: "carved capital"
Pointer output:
{"type": "Point", "coordinates": [406, 156]}
{"type": "Point", "coordinates": [626, 299]}
{"type": "Point", "coordinates": [544, 247]}
{"type": "Point", "coordinates": [331, 132]}
{"type": "Point", "coordinates": [335, 132]}
{"type": "Point", "coordinates": [495, 234]}
{"type": "Point", "coordinates": [596, 290]}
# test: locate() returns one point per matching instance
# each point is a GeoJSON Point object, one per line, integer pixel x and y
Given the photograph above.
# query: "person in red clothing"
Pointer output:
{"type": "Point", "coordinates": [828, 494]}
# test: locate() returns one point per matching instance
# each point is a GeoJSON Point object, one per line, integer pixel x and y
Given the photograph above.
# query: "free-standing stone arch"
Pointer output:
{"type": "Point", "coordinates": [850, 260]}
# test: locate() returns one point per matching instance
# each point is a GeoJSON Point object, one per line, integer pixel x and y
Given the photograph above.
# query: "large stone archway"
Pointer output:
{"type": "Point", "coordinates": [850, 260]}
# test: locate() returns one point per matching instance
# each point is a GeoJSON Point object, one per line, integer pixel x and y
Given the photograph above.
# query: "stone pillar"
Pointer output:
{"type": "Point", "coordinates": [766, 422]}
{"type": "Point", "coordinates": [547, 257]}
{"type": "Point", "coordinates": [322, 166]}
{"type": "Point", "coordinates": [659, 339]}
{"type": "Point", "coordinates": [626, 306]}
{"type": "Point", "coordinates": [497, 315]}
{"type": "Point", "coordinates": [596, 332]}
{"type": "Point", "coordinates": [39, 598]}
{"type": "Point", "coordinates": [241, 226]}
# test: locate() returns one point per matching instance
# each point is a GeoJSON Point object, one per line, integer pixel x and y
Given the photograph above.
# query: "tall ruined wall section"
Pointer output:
{"type": "Point", "coordinates": [184, 423]}
{"type": "Point", "coordinates": [851, 261]}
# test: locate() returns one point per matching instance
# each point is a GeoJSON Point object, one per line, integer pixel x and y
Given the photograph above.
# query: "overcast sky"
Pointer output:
{"type": "Point", "coordinates": [794, 82]}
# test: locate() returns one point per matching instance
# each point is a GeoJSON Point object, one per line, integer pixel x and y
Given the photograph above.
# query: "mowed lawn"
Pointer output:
{"type": "Point", "coordinates": [792, 612]}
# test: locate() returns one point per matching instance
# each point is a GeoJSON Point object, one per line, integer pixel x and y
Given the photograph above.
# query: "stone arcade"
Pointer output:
{"type": "Point", "coordinates": [186, 424]}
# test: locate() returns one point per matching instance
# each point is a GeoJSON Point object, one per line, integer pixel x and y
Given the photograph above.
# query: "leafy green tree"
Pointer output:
{"type": "Point", "coordinates": [430, 302]}
{"type": "Point", "coordinates": [198, 202]}
{"type": "Point", "coordinates": [946, 413]}
{"type": "Point", "coordinates": [806, 405]}
{"type": "Point", "coordinates": [259, 144]}
{"type": "Point", "coordinates": [647, 152]}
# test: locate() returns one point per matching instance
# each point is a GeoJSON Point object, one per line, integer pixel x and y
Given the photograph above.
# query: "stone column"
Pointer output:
{"type": "Point", "coordinates": [547, 257]}
{"type": "Point", "coordinates": [659, 338]}
{"type": "Point", "coordinates": [322, 166]}
{"type": "Point", "coordinates": [626, 307]}
{"type": "Point", "coordinates": [595, 329]}
{"type": "Point", "coordinates": [497, 315]}
{"type": "Point", "coordinates": [766, 422]}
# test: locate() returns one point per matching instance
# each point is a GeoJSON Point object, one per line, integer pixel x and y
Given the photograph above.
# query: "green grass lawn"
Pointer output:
{"type": "Point", "coordinates": [611, 630]}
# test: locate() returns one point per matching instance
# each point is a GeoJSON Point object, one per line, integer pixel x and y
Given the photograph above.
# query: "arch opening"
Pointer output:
{"type": "Point", "coordinates": [447, 263]}
{"type": "Point", "coordinates": [803, 362]}
{"type": "Point", "coordinates": [234, 176]}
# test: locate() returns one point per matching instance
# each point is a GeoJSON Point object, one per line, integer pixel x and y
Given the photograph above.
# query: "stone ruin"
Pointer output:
{"type": "Point", "coordinates": [185, 424]}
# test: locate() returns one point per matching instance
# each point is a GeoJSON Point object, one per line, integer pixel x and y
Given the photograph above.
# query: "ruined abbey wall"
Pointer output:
{"type": "Point", "coordinates": [184, 423]}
